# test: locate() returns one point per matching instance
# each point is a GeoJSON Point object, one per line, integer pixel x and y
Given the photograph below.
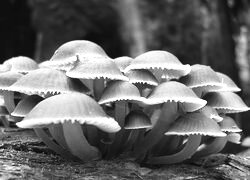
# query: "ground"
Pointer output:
{"type": "Point", "coordinates": [24, 156]}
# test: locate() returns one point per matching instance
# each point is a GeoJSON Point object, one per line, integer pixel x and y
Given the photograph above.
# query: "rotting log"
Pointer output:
{"type": "Point", "coordinates": [24, 156]}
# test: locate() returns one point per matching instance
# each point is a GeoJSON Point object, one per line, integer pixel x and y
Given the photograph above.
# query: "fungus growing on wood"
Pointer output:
{"type": "Point", "coordinates": [71, 110]}
{"type": "Point", "coordinates": [162, 63]}
{"type": "Point", "coordinates": [120, 93]}
{"type": "Point", "coordinates": [175, 98]}
{"type": "Point", "coordinates": [194, 125]}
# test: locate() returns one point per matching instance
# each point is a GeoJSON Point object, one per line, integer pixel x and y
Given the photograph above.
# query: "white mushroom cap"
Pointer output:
{"type": "Point", "coordinates": [173, 91]}
{"type": "Point", "coordinates": [74, 107]}
{"type": "Point", "coordinates": [195, 123]}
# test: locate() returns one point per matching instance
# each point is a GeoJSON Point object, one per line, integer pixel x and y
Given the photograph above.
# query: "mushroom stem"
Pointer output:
{"type": "Point", "coordinates": [188, 150]}
{"type": "Point", "coordinates": [4, 121]}
{"type": "Point", "coordinates": [56, 132]}
{"type": "Point", "coordinates": [120, 114]}
{"type": "Point", "coordinates": [78, 144]}
{"type": "Point", "coordinates": [98, 88]}
{"type": "Point", "coordinates": [9, 101]}
{"type": "Point", "coordinates": [212, 148]}
{"type": "Point", "coordinates": [52, 145]}
{"type": "Point", "coordinates": [168, 115]}
{"type": "Point", "coordinates": [132, 138]}
{"type": "Point", "coordinates": [92, 135]}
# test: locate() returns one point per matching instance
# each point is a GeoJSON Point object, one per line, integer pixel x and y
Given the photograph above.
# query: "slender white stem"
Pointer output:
{"type": "Point", "coordinates": [212, 148]}
{"type": "Point", "coordinates": [167, 117]}
{"type": "Point", "coordinates": [52, 145]}
{"type": "Point", "coordinates": [189, 149]}
{"type": "Point", "coordinates": [9, 101]}
{"type": "Point", "coordinates": [77, 142]}
{"type": "Point", "coordinates": [98, 88]}
{"type": "Point", "coordinates": [56, 132]}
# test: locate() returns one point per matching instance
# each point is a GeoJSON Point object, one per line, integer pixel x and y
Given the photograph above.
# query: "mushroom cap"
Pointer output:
{"type": "Point", "coordinates": [4, 68]}
{"type": "Point", "coordinates": [195, 123]}
{"type": "Point", "coordinates": [142, 76]}
{"type": "Point", "coordinates": [229, 125]}
{"type": "Point", "coordinates": [211, 113]}
{"type": "Point", "coordinates": [123, 62]}
{"type": "Point", "coordinates": [8, 78]}
{"type": "Point", "coordinates": [173, 91]}
{"type": "Point", "coordinates": [120, 91]}
{"type": "Point", "coordinates": [21, 64]}
{"type": "Point", "coordinates": [45, 82]}
{"type": "Point", "coordinates": [74, 107]}
{"type": "Point", "coordinates": [202, 77]}
{"type": "Point", "coordinates": [226, 102]}
{"type": "Point", "coordinates": [228, 83]}
{"type": "Point", "coordinates": [68, 52]}
{"type": "Point", "coordinates": [25, 105]}
{"type": "Point", "coordinates": [160, 61]}
{"type": "Point", "coordinates": [137, 120]}
{"type": "Point", "coordinates": [94, 68]}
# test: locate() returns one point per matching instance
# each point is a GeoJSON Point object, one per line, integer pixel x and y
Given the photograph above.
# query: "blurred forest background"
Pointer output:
{"type": "Point", "coordinates": [210, 32]}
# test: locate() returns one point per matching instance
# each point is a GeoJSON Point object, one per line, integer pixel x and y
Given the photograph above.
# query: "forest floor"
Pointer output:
{"type": "Point", "coordinates": [24, 156]}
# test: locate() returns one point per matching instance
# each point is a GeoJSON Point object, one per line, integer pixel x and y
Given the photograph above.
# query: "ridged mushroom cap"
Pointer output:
{"type": "Point", "coordinates": [195, 123]}
{"type": "Point", "coordinates": [4, 68]}
{"type": "Point", "coordinates": [45, 82]}
{"type": "Point", "coordinates": [202, 78]}
{"type": "Point", "coordinates": [8, 78]}
{"type": "Point", "coordinates": [173, 91]}
{"type": "Point", "coordinates": [25, 105]}
{"type": "Point", "coordinates": [162, 61]}
{"type": "Point", "coordinates": [228, 83]}
{"type": "Point", "coordinates": [142, 76]}
{"type": "Point", "coordinates": [120, 91]}
{"type": "Point", "coordinates": [137, 120]}
{"type": "Point", "coordinates": [75, 107]}
{"type": "Point", "coordinates": [21, 64]}
{"type": "Point", "coordinates": [229, 125]}
{"type": "Point", "coordinates": [67, 52]}
{"type": "Point", "coordinates": [226, 102]}
{"type": "Point", "coordinates": [211, 113]}
{"type": "Point", "coordinates": [123, 62]}
{"type": "Point", "coordinates": [96, 69]}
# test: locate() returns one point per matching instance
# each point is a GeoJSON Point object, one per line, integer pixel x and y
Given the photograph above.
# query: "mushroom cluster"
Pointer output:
{"type": "Point", "coordinates": [86, 106]}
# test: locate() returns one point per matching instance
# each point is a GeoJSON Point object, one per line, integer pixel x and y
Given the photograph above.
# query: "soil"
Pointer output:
{"type": "Point", "coordinates": [24, 156]}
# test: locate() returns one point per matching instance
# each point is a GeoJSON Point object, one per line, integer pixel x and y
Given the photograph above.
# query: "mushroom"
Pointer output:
{"type": "Point", "coordinates": [6, 80]}
{"type": "Point", "coordinates": [21, 64]}
{"type": "Point", "coordinates": [194, 125]}
{"type": "Point", "coordinates": [25, 105]}
{"type": "Point", "coordinates": [71, 110]}
{"type": "Point", "coordinates": [120, 93]}
{"type": "Point", "coordinates": [217, 144]}
{"type": "Point", "coordinates": [136, 121]}
{"type": "Point", "coordinates": [211, 113]}
{"type": "Point", "coordinates": [202, 79]}
{"type": "Point", "coordinates": [175, 97]}
{"type": "Point", "coordinates": [67, 54]}
{"type": "Point", "coordinates": [143, 79]}
{"type": "Point", "coordinates": [162, 63]}
{"type": "Point", "coordinates": [46, 82]}
{"type": "Point", "coordinates": [226, 102]}
{"type": "Point", "coordinates": [93, 70]}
